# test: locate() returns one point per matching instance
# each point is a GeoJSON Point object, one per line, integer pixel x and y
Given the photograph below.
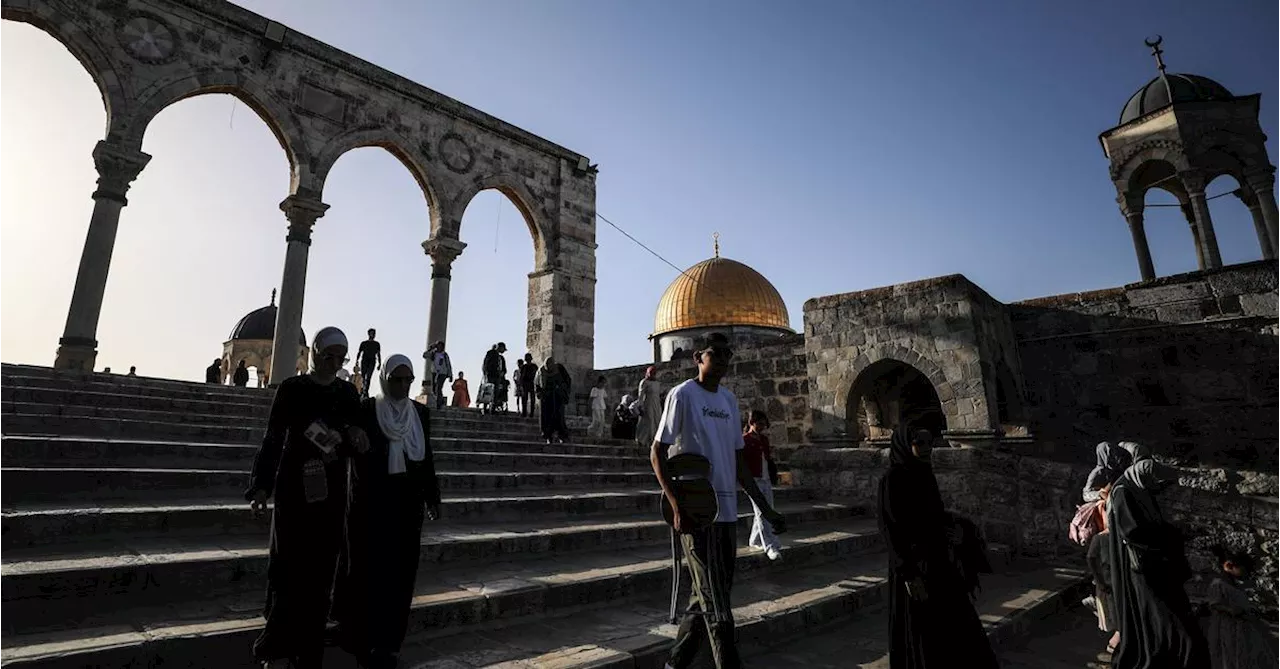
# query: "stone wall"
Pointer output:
{"type": "Point", "coordinates": [946, 328]}
{"type": "Point", "coordinates": [769, 375]}
{"type": "Point", "coordinates": [1186, 364]}
{"type": "Point", "coordinates": [1027, 503]}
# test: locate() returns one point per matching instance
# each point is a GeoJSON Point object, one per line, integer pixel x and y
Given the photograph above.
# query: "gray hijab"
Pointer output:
{"type": "Point", "coordinates": [1110, 465]}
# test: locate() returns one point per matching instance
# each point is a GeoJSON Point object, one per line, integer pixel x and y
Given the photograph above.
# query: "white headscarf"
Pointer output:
{"type": "Point", "coordinates": [326, 337]}
{"type": "Point", "coordinates": [399, 421]}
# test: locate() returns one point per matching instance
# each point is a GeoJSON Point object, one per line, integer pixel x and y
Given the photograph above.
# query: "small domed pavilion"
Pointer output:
{"type": "Point", "coordinates": [251, 341]}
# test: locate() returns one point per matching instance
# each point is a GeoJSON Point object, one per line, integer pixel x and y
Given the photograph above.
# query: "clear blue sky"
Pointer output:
{"type": "Point", "coordinates": [835, 146]}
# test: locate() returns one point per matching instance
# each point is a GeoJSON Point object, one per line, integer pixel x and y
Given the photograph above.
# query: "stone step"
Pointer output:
{"type": "Point", "coordinates": [66, 484]}
{"type": "Point", "coordinates": [247, 432]}
{"type": "Point", "coordinates": [232, 406]}
{"type": "Point", "coordinates": [119, 384]}
{"type": "Point", "coordinates": [218, 632]}
{"type": "Point", "coordinates": [86, 410]}
{"type": "Point", "coordinates": [33, 524]}
{"type": "Point", "coordinates": [43, 587]}
{"type": "Point", "coordinates": [1009, 605]}
{"type": "Point", "coordinates": [35, 451]}
{"type": "Point", "coordinates": [1068, 640]}
{"type": "Point", "coordinates": [47, 452]}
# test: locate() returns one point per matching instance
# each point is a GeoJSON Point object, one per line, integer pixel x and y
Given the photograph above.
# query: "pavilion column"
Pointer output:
{"type": "Point", "coordinates": [1263, 184]}
{"type": "Point", "coordinates": [117, 167]}
{"type": "Point", "coordinates": [302, 214]}
{"type": "Point", "coordinates": [1250, 200]}
{"type": "Point", "coordinates": [1206, 240]}
{"type": "Point", "coordinates": [443, 251]}
{"type": "Point", "coordinates": [1189, 213]}
{"type": "Point", "coordinates": [1132, 207]}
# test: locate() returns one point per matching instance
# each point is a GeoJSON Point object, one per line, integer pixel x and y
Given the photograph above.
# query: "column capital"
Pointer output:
{"type": "Point", "coordinates": [1248, 197]}
{"type": "Point", "coordinates": [1194, 181]}
{"type": "Point", "coordinates": [118, 166]}
{"type": "Point", "coordinates": [302, 214]}
{"type": "Point", "coordinates": [1131, 204]}
{"type": "Point", "coordinates": [443, 251]}
{"type": "Point", "coordinates": [1261, 179]}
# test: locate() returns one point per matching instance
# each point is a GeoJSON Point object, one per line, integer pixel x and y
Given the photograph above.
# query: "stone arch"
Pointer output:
{"type": "Point", "coordinates": [847, 381]}
{"type": "Point", "coordinates": [540, 228]}
{"type": "Point", "coordinates": [889, 393]}
{"type": "Point", "coordinates": [283, 124]}
{"type": "Point", "coordinates": [1140, 161]}
{"type": "Point", "coordinates": [84, 48]}
{"type": "Point", "coordinates": [393, 143]}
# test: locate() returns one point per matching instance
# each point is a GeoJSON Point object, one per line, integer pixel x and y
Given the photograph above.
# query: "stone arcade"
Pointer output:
{"type": "Point", "coordinates": [320, 102]}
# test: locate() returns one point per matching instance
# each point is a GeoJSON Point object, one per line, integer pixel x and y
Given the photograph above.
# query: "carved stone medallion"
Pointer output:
{"type": "Point", "coordinates": [148, 39]}
{"type": "Point", "coordinates": [455, 153]}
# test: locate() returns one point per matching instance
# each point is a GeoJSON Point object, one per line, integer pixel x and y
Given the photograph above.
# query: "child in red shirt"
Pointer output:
{"type": "Point", "coordinates": [756, 451]}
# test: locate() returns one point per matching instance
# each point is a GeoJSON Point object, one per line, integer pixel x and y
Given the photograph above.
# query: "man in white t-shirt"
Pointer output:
{"type": "Point", "coordinates": [701, 417]}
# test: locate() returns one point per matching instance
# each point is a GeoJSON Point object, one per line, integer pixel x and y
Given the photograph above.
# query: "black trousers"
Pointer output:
{"type": "Point", "coordinates": [366, 371]}
{"type": "Point", "coordinates": [710, 556]}
{"type": "Point", "coordinates": [439, 380]}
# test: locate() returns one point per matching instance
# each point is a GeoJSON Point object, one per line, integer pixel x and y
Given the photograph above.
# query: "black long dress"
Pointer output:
{"type": "Point", "coordinates": [384, 533]}
{"type": "Point", "coordinates": [943, 630]}
{"type": "Point", "coordinates": [306, 537]}
{"type": "Point", "coordinates": [1158, 629]}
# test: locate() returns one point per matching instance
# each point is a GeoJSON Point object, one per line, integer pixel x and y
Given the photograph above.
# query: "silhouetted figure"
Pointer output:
{"type": "Point", "coordinates": [303, 464]}
{"type": "Point", "coordinates": [393, 486]}
{"type": "Point", "coordinates": [554, 386]}
{"type": "Point", "coordinates": [1149, 571]}
{"type": "Point", "coordinates": [213, 373]}
{"type": "Point", "coordinates": [932, 622]}
{"type": "Point", "coordinates": [370, 357]}
{"type": "Point", "coordinates": [241, 376]}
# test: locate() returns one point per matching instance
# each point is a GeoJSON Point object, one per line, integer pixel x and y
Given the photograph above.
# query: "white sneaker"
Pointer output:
{"type": "Point", "coordinates": [1089, 602]}
{"type": "Point", "coordinates": [773, 553]}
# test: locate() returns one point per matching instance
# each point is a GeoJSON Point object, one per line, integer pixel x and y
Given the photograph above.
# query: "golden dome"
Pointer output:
{"type": "Point", "coordinates": [720, 292]}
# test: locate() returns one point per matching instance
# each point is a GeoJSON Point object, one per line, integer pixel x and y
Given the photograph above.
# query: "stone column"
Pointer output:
{"type": "Point", "coordinates": [1189, 213]}
{"type": "Point", "coordinates": [1250, 200]}
{"type": "Point", "coordinates": [1263, 184]}
{"type": "Point", "coordinates": [302, 214]}
{"type": "Point", "coordinates": [1210, 258]}
{"type": "Point", "coordinates": [117, 167]}
{"type": "Point", "coordinates": [1132, 207]}
{"type": "Point", "coordinates": [443, 251]}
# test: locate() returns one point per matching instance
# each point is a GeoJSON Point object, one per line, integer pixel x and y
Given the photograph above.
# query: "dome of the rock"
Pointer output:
{"type": "Point", "coordinates": [260, 324]}
{"type": "Point", "coordinates": [720, 292]}
{"type": "Point", "coordinates": [1182, 88]}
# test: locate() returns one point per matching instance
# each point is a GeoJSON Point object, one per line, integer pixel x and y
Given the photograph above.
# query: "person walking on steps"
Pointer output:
{"type": "Point", "coordinates": [932, 621]}
{"type": "Point", "coordinates": [393, 488]}
{"type": "Point", "coordinates": [213, 373]}
{"type": "Point", "coordinates": [554, 388]}
{"type": "Point", "coordinates": [650, 399]}
{"type": "Point", "coordinates": [528, 373]}
{"type": "Point", "coordinates": [599, 409]}
{"type": "Point", "coordinates": [240, 377]}
{"type": "Point", "coordinates": [765, 472]}
{"type": "Point", "coordinates": [311, 431]}
{"type": "Point", "coordinates": [441, 370]}
{"type": "Point", "coordinates": [701, 418]}
{"type": "Point", "coordinates": [370, 356]}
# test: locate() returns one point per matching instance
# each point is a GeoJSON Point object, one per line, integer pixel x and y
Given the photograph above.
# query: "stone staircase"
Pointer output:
{"type": "Point", "coordinates": [126, 542]}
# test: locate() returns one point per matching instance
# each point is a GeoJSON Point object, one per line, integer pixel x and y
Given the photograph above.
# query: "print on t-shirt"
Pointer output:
{"type": "Point", "coordinates": [695, 420]}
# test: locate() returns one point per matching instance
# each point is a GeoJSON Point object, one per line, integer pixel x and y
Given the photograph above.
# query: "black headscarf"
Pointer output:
{"type": "Point", "coordinates": [900, 453]}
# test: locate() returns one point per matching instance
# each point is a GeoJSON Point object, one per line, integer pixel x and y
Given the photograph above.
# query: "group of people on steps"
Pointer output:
{"type": "Point", "coordinates": [352, 481]}
{"type": "Point", "coordinates": [1140, 569]}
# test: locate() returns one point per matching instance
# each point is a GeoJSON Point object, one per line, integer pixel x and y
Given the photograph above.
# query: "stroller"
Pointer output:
{"type": "Point", "coordinates": [492, 397]}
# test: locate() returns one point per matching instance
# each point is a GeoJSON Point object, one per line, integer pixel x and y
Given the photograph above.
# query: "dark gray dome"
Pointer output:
{"type": "Point", "coordinates": [1185, 88]}
{"type": "Point", "coordinates": [261, 324]}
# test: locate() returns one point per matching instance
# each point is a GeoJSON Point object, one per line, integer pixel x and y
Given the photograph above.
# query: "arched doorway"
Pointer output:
{"type": "Point", "coordinates": [889, 393]}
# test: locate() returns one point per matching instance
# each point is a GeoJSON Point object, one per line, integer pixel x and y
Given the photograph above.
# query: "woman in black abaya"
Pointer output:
{"type": "Point", "coordinates": [393, 487]}
{"type": "Point", "coordinates": [932, 622]}
{"type": "Point", "coordinates": [1148, 571]}
{"type": "Point", "coordinates": [303, 464]}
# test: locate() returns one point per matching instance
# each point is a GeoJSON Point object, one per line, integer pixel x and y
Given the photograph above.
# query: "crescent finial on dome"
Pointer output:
{"type": "Point", "coordinates": [715, 237]}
